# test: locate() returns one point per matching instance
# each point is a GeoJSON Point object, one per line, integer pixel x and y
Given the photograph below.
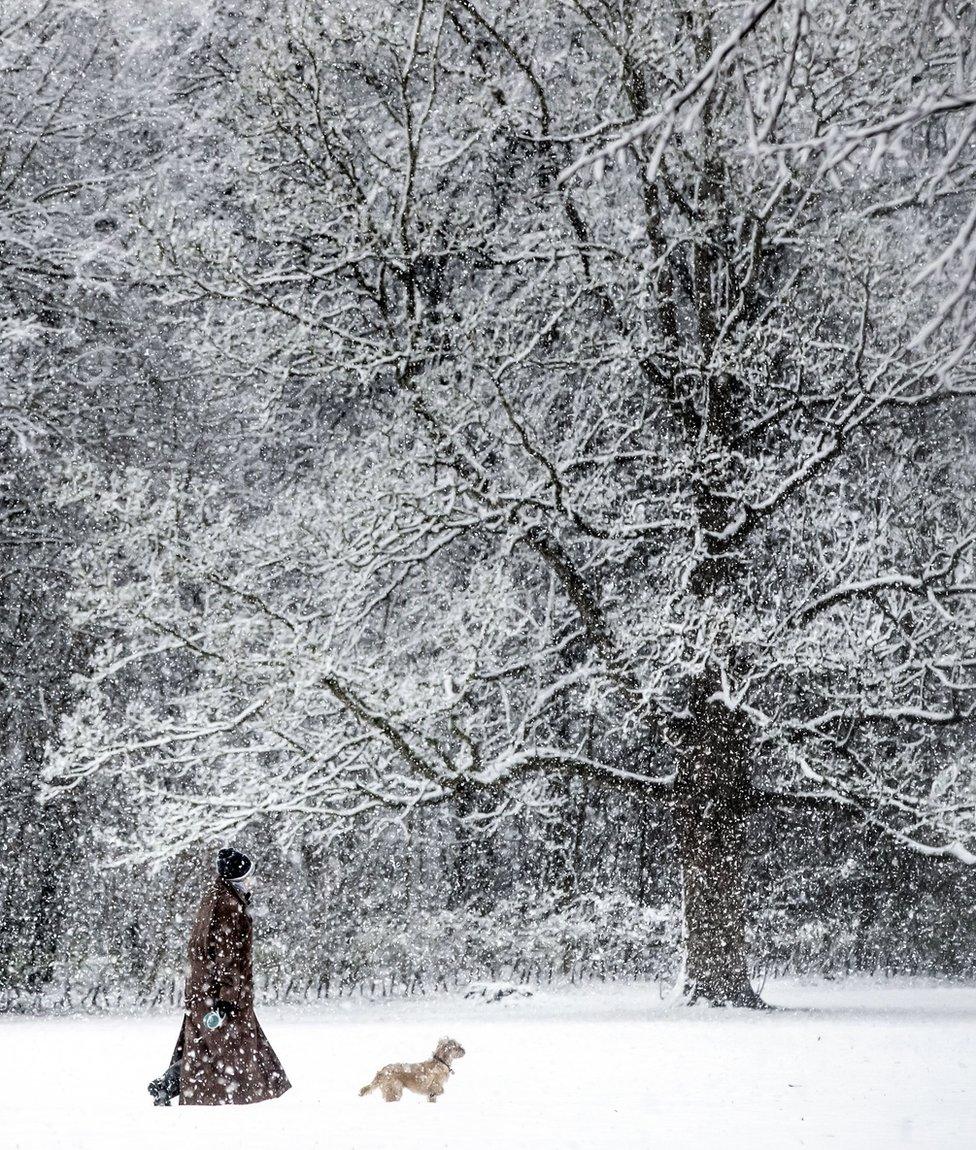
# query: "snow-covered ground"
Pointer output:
{"type": "Point", "coordinates": [858, 1064]}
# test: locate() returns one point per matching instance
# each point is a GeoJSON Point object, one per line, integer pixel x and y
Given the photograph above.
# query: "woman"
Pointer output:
{"type": "Point", "coordinates": [222, 1056]}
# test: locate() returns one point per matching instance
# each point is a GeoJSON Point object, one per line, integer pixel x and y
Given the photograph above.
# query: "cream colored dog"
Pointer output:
{"type": "Point", "coordinates": [420, 1077]}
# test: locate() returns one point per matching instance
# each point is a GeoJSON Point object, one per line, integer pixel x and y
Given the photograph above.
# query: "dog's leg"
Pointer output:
{"type": "Point", "coordinates": [392, 1091]}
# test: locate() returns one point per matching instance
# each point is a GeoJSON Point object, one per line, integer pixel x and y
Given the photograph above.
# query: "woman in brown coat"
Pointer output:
{"type": "Point", "coordinates": [222, 1056]}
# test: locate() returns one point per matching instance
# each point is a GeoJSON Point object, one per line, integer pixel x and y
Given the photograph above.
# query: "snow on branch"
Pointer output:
{"type": "Point", "coordinates": [665, 121]}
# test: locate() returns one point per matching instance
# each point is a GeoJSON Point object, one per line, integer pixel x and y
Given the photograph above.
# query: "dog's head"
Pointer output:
{"type": "Point", "coordinates": [448, 1049]}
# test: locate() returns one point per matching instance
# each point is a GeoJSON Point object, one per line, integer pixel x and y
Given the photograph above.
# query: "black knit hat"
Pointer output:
{"type": "Point", "coordinates": [233, 865]}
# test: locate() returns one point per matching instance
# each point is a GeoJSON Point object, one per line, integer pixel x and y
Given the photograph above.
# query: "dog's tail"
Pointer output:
{"type": "Point", "coordinates": [367, 1089]}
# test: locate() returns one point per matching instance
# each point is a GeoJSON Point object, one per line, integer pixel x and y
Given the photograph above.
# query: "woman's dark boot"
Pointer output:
{"type": "Point", "coordinates": [166, 1087]}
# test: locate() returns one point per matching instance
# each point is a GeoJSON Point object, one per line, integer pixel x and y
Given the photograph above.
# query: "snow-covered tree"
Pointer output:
{"type": "Point", "coordinates": [76, 122]}
{"type": "Point", "coordinates": [42, 308]}
{"type": "Point", "coordinates": [592, 419]}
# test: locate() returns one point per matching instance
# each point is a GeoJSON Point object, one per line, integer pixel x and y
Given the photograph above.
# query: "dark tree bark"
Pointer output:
{"type": "Point", "coordinates": [472, 884]}
{"type": "Point", "coordinates": [711, 808]}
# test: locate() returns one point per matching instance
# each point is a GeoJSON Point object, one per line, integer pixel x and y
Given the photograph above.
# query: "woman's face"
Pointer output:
{"type": "Point", "coordinates": [246, 883]}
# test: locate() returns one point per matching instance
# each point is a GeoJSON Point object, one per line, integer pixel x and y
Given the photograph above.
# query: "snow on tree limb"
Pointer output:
{"type": "Point", "coordinates": [521, 487]}
{"type": "Point", "coordinates": [665, 121]}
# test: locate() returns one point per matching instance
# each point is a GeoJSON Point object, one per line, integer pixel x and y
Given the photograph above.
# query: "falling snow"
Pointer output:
{"type": "Point", "coordinates": [508, 467]}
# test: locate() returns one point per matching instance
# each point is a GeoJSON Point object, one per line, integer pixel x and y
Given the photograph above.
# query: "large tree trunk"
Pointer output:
{"type": "Point", "coordinates": [710, 847]}
{"type": "Point", "coordinates": [472, 856]}
{"type": "Point", "coordinates": [711, 808]}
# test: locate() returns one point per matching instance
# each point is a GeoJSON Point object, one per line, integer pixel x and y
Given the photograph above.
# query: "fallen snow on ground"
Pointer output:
{"type": "Point", "coordinates": [857, 1064]}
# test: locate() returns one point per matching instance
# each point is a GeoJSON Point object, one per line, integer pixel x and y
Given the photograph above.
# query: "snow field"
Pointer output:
{"type": "Point", "coordinates": [858, 1065]}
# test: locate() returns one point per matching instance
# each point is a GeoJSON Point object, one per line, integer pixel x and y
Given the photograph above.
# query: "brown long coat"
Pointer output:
{"type": "Point", "coordinates": [235, 1063]}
